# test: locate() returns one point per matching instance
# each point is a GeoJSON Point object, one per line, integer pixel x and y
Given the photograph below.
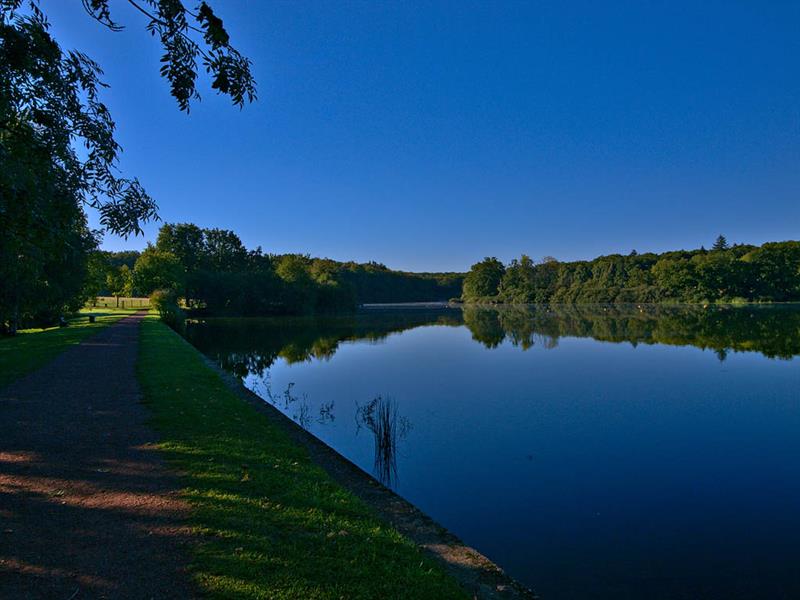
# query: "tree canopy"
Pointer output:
{"type": "Point", "coordinates": [214, 272]}
{"type": "Point", "coordinates": [50, 106]}
{"type": "Point", "coordinates": [483, 279]}
{"type": "Point", "coordinates": [767, 273]}
{"type": "Point", "coordinates": [720, 244]}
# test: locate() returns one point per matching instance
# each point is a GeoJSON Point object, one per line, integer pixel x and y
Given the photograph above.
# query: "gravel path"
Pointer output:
{"type": "Point", "coordinates": [87, 508]}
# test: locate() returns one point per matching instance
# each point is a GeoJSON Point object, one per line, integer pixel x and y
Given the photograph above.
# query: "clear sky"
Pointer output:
{"type": "Point", "coordinates": [428, 135]}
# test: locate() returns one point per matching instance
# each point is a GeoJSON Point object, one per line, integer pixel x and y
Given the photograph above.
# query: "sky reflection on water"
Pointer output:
{"type": "Point", "coordinates": [663, 465]}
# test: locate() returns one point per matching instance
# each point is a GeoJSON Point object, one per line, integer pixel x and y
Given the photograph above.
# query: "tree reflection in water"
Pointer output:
{"type": "Point", "coordinates": [772, 330]}
{"type": "Point", "coordinates": [250, 346]}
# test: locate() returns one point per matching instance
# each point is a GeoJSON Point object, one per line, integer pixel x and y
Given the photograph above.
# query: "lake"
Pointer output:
{"type": "Point", "coordinates": [592, 452]}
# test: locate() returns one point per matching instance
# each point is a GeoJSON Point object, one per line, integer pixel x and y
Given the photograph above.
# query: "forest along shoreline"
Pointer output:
{"type": "Point", "coordinates": [210, 272]}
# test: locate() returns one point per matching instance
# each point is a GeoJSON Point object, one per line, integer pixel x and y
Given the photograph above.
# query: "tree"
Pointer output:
{"type": "Point", "coordinates": [120, 283]}
{"type": "Point", "coordinates": [122, 257]}
{"type": "Point", "coordinates": [716, 276]}
{"type": "Point", "coordinates": [157, 270]}
{"type": "Point", "coordinates": [186, 242]}
{"type": "Point", "coordinates": [518, 285]}
{"type": "Point", "coordinates": [483, 279]}
{"type": "Point", "coordinates": [49, 105]}
{"type": "Point", "coordinates": [300, 291]}
{"type": "Point", "coordinates": [44, 239]}
{"type": "Point", "coordinates": [720, 244]}
{"type": "Point", "coordinates": [98, 268]}
{"type": "Point", "coordinates": [775, 271]}
{"type": "Point", "coordinates": [224, 250]}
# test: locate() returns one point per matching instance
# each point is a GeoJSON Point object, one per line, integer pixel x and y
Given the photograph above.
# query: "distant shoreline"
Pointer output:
{"type": "Point", "coordinates": [379, 305]}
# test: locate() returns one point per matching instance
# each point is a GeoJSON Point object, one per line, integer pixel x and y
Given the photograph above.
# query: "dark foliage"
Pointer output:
{"type": "Point", "coordinates": [49, 107]}
{"type": "Point", "coordinates": [769, 273]}
{"type": "Point", "coordinates": [185, 37]}
{"type": "Point", "coordinates": [166, 303]}
{"type": "Point", "coordinates": [215, 273]}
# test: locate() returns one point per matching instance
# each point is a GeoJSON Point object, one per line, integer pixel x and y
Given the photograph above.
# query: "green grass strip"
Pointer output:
{"type": "Point", "coordinates": [271, 523]}
{"type": "Point", "coordinates": [33, 348]}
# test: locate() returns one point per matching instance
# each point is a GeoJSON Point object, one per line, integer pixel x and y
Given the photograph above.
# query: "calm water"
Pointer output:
{"type": "Point", "coordinates": [593, 453]}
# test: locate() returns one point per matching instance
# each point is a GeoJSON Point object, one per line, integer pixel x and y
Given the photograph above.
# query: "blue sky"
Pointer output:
{"type": "Point", "coordinates": [428, 135]}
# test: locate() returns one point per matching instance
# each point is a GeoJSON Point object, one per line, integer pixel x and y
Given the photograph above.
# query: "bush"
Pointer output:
{"type": "Point", "coordinates": [166, 303]}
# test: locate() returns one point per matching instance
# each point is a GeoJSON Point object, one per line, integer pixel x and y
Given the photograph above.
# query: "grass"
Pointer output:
{"type": "Point", "coordinates": [33, 348]}
{"type": "Point", "coordinates": [271, 523]}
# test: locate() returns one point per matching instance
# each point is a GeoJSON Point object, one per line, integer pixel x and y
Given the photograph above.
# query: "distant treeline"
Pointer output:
{"type": "Point", "coordinates": [213, 272]}
{"type": "Point", "coordinates": [738, 273]}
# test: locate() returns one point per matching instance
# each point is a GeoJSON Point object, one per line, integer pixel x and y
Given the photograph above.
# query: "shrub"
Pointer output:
{"type": "Point", "coordinates": [166, 303]}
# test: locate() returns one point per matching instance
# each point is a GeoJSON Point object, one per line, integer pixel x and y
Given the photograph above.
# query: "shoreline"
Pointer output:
{"type": "Point", "coordinates": [476, 573]}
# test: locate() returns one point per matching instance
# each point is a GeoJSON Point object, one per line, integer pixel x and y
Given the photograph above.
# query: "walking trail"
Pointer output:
{"type": "Point", "coordinates": [87, 508]}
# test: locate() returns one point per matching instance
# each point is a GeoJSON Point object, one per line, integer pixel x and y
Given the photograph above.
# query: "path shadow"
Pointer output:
{"type": "Point", "coordinates": [88, 508]}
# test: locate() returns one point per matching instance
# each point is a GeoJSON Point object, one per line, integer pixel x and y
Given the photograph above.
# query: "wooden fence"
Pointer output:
{"type": "Point", "coordinates": [112, 302]}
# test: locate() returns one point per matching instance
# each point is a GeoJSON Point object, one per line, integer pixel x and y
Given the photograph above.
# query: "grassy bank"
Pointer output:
{"type": "Point", "coordinates": [271, 523]}
{"type": "Point", "coordinates": [33, 348]}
